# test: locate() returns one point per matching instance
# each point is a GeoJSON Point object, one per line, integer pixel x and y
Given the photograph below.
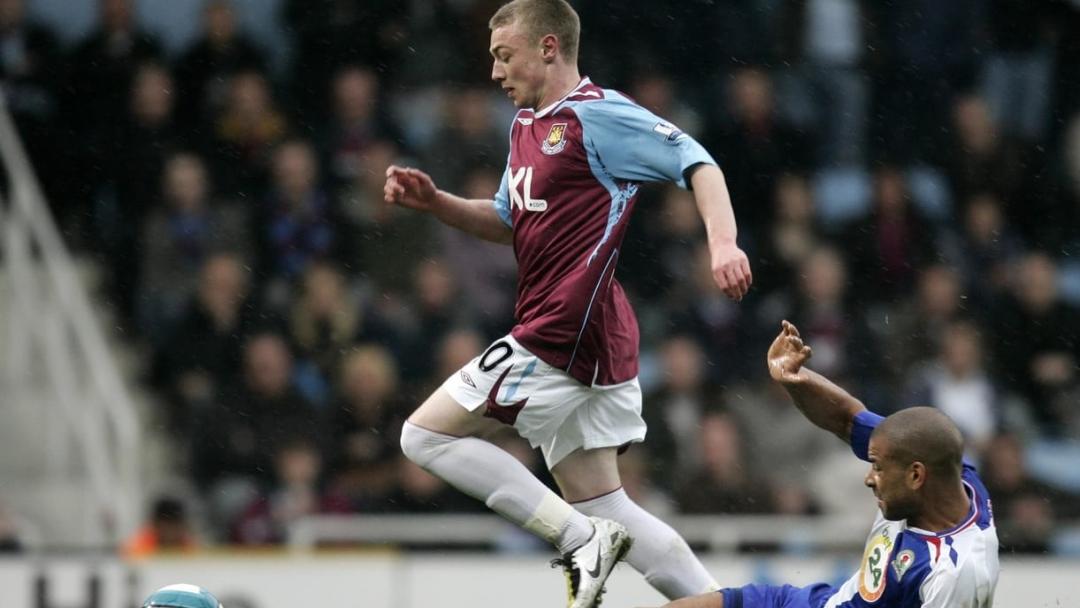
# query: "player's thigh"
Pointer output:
{"type": "Point", "coordinates": [586, 474]}
{"type": "Point", "coordinates": [491, 391]}
{"type": "Point", "coordinates": [443, 414]}
{"type": "Point", "coordinates": [583, 453]}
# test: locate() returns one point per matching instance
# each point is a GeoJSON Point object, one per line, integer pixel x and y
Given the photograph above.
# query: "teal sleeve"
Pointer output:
{"type": "Point", "coordinates": [633, 144]}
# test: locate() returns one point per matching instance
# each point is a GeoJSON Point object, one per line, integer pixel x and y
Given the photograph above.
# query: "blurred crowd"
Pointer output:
{"type": "Point", "coordinates": [906, 177]}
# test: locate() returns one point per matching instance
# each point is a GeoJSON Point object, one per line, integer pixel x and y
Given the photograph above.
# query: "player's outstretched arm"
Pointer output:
{"type": "Point", "coordinates": [415, 189]}
{"type": "Point", "coordinates": [822, 402]}
{"type": "Point", "coordinates": [705, 600]}
{"type": "Point", "coordinates": [730, 267]}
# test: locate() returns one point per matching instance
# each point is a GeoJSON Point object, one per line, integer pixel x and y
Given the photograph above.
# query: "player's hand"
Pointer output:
{"type": "Point", "coordinates": [410, 188]}
{"type": "Point", "coordinates": [787, 354]}
{"type": "Point", "coordinates": [731, 270]}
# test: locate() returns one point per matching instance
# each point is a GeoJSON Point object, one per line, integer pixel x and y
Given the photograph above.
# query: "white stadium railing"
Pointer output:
{"type": "Point", "coordinates": [57, 358]}
{"type": "Point", "coordinates": [727, 534]}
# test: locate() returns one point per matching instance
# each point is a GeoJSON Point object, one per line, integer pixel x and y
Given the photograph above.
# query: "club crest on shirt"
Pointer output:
{"type": "Point", "coordinates": [556, 139]}
{"type": "Point", "coordinates": [902, 562]}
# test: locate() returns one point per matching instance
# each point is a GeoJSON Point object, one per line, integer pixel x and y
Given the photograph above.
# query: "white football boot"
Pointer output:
{"type": "Point", "coordinates": [587, 567]}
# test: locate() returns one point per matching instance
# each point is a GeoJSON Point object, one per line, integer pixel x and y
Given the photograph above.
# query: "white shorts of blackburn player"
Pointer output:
{"type": "Point", "coordinates": [545, 405]}
{"type": "Point", "coordinates": [589, 565]}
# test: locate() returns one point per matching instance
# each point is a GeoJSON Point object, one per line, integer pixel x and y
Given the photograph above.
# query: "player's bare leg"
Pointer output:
{"type": "Point", "coordinates": [441, 414]}
{"type": "Point", "coordinates": [590, 481]}
{"type": "Point", "coordinates": [444, 438]}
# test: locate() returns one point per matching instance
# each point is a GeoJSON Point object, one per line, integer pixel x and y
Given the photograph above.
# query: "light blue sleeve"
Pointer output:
{"type": "Point", "coordinates": [633, 144]}
{"type": "Point", "coordinates": [502, 198]}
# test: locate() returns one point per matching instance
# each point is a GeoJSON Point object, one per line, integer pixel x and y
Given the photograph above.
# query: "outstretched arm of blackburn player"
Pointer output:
{"type": "Point", "coordinates": [730, 268]}
{"type": "Point", "coordinates": [415, 189]}
{"type": "Point", "coordinates": [822, 402]}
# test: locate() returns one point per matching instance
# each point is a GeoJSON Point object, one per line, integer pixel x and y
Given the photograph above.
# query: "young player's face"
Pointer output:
{"type": "Point", "coordinates": [519, 67]}
{"type": "Point", "coordinates": [888, 479]}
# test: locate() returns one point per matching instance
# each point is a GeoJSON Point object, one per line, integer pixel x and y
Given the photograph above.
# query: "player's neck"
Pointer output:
{"type": "Point", "coordinates": [944, 511]}
{"type": "Point", "coordinates": [563, 81]}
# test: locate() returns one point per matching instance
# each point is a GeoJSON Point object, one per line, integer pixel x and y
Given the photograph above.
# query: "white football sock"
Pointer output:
{"type": "Point", "coordinates": [488, 473]}
{"type": "Point", "coordinates": [658, 553]}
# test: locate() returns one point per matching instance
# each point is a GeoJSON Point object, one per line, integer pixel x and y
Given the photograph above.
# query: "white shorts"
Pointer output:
{"type": "Point", "coordinates": [545, 405]}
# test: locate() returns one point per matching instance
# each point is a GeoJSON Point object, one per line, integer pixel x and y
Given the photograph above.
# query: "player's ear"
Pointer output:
{"type": "Point", "coordinates": [549, 48]}
{"type": "Point", "coordinates": [916, 475]}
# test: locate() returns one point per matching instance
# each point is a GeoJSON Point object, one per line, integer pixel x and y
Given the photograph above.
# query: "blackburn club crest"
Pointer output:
{"type": "Point", "coordinates": [556, 139]}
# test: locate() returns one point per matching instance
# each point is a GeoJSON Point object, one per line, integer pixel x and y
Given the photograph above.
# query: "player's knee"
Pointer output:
{"type": "Point", "coordinates": [421, 445]}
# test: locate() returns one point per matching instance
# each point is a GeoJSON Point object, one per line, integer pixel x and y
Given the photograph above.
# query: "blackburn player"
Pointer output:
{"type": "Point", "coordinates": [933, 544]}
{"type": "Point", "coordinates": [565, 377]}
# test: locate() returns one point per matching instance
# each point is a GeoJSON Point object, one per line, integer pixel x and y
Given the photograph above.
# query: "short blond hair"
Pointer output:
{"type": "Point", "coordinates": [539, 18]}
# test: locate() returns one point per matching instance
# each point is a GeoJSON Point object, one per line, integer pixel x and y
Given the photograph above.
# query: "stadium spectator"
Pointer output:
{"type": "Point", "coordinates": [825, 42]}
{"type": "Point", "coordinates": [458, 346]}
{"type": "Point", "coordinates": [468, 139]}
{"type": "Point", "coordinates": [245, 134]}
{"type": "Point", "coordinates": [204, 352]}
{"type": "Point", "coordinates": [676, 239]}
{"type": "Point", "coordinates": [102, 66]}
{"type": "Point", "coordinates": [659, 94]}
{"type": "Point", "coordinates": [167, 531]}
{"type": "Point", "coordinates": [1025, 509]}
{"type": "Point", "coordinates": [843, 343]}
{"type": "Point", "coordinates": [136, 151]}
{"type": "Point", "coordinates": [437, 309]}
{"type": "Point", "coordinates": [915, 325]}
{"type": "Point", "coordinates": [978, 159]}
{"type": "Point", "coordinates": [675, 408]}
{"type": "Point", "coordinates": [330, 34]}
{"type": "Point", "coordinates": [775, 433]}
{"type": "Point", "coordinates": [204, 70]}
{"type": "Point", "coordinates": [725, 481]}
{"type": "Point", "coordinates": [957, 382]}
{"type": "Point", "coordinates": [357, 122]}
{"type": "Point", "coordinates": [297, 491]}
{"type": "Point", "coordinates": [418, 491]}
{"type": "Point", "coordinates": [923, 53]}
{"type": "Point", "coordinates": [488, 289]}
{"type": "Point", "coordinates": [886, 249]}
{"type": "Point", "coordinates": [1017, 69]}
{"type": "Point", "coordinates": [236, 438]}
{"type": "Point", "coordinates": [297, 219]}
{"type": "Point", "coordinates": [1070, 206]}
{"type": "Point", "coordinates": [30, 72]}
{"type": "Point", "coordinates": [326, 317]}
{"type": "Point", "coordinates": [756, 146]}
{"type": "Point", "coordinates": [178, 237]}
{"type": "Point", "coordinates": [983, 251]}
{"type": "Point", "coordinates": [1037, 345]}
{"type": "Point", "coordinates": [722, 326]}
{"type": "Point", "coordinates": [791, 236]}
{"type": "Point", "coordinates": [364, 427]}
